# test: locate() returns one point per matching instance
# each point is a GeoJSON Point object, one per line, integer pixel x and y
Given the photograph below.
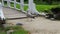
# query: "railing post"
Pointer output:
{"type": "Point", "coordinates": [1, 12]}
{"type": "Point", "coordinates": [15, 4]}
{"type": "Point", "coordinates": [22, 5]}
{"type": "Point", "coordinates": [32, 7]}
{"type": "Point", "coordinates": [8, 3]}
{"type": "Point", "coordinates": [2, 2]}
{"type": "Point", "coordinates": [30, 3]}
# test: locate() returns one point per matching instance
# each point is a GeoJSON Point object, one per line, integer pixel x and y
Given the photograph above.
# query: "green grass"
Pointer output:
{"type": "Point", "coordinates": [45, 7]}
{"type": "Point", "coordinates": [38, 7]}
{"type": "Point", "coordinates": [17, 6]}
{"type": "Point", "coordinates": [17, 30]}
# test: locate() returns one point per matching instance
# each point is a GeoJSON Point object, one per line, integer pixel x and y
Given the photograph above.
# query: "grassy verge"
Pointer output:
{"type": "Point", "coordinates": [45, 7]}
{"type": "Point", "coordinates": [17, 30]}
{"type": "Point", "coordinates": [38, 7]}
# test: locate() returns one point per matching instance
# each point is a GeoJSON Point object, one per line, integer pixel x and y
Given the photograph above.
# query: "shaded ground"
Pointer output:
{"type": "Point", "coordinates": [40, 25]}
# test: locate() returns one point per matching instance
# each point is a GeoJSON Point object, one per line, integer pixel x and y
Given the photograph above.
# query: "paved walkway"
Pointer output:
{"type": "Point", "coordinates": [40, 25]}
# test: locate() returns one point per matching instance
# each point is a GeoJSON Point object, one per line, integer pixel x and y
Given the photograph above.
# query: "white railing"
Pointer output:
{"type": "Point", "coordinates": [21, 3]}
{"type": "Point", "coordinates": [31, 6]}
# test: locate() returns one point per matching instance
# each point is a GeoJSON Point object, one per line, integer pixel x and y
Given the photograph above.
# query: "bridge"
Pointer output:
{"type": "Point", "coordinates": [13, 14]}
{"type": "Point", "coordinates": [30, 11]}
{"type": "Point", "coordinates": [39, 25]}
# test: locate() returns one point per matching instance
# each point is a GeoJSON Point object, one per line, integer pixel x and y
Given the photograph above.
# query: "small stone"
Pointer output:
{"type": "Point", "coordinates": [19, 24]}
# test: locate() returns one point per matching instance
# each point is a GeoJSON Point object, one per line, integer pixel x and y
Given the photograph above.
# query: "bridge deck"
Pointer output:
{"type": "Point", "coordinates": [12, 13]}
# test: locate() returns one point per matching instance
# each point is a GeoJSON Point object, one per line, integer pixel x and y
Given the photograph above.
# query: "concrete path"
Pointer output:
{"type": "Point", "coordinates": [40, 25]}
